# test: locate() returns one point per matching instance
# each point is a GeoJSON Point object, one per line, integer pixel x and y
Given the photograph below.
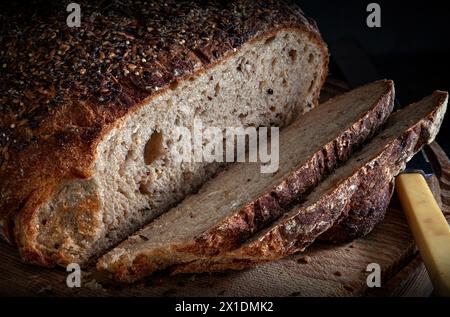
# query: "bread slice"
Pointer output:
{"type": "Point", "coordinates": [88, 113]}
{"type": "Point", "coordinates": [368, 173]}
{"type": "Point", "coordinates": [241, 200]}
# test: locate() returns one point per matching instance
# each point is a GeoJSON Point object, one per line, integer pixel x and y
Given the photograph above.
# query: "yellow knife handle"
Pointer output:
{"type": "Point", "coordinates": [429, 228]}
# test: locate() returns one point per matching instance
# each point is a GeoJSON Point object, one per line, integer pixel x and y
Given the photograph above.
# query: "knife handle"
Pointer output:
{"type": "Point", "coordinates": [429, 228]}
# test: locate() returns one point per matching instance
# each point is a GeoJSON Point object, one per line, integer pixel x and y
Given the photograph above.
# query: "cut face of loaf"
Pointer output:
{"type": "Point", "coordinates": [135, 178]}
{"type": "Point", "coordinates": [364, 176]}
{"type": "Point", "coordinates": [241, 200]}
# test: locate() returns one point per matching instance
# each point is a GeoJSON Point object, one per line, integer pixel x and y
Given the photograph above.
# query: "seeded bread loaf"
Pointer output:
{"type": "Point", "coordinates": [240, 200]}
{"type": "Point", "coordinates": [87, 112]}
{"type": "Point", "coordinates": [367, 174]}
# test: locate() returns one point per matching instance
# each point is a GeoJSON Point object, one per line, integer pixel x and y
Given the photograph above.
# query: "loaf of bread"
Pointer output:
{"type": "Point", "coordinates": [87, 112]}
{"type": "Point", "coordinates": [240, 201]}
{"type": "Point", "coordinates": [365, 175]}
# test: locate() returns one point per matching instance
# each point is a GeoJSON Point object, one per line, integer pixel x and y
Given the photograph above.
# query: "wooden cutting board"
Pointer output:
{"type": "Point", "coordinates": [322, 270]}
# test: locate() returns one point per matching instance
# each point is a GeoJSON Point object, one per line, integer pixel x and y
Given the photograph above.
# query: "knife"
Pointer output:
{"type": "Point", "coordinates": [428, 225]}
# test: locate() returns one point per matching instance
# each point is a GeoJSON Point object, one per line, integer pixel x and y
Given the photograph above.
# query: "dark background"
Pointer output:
{"type": "Point", "coordinates": [412, 47]}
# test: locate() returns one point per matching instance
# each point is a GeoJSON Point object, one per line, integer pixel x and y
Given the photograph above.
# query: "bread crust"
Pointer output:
{"type": "Point", "coordinates": [294, 232]}
{"type": "Point", "coordinates": [77, 89]}
{"type": "Point", "coordinates": [368, 209]}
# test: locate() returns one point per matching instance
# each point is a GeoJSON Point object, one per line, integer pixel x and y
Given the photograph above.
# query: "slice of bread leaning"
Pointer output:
{"type": "Point", "coordinates": [88, 113]}
{"type": "Point", "coordinates": [364, 176]}
{"type": "Point", "coordinates": [240, 200]}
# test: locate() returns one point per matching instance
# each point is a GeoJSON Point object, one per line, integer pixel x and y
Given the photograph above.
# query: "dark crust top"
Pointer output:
{"type": "Point", "coordinates": [62, 88]}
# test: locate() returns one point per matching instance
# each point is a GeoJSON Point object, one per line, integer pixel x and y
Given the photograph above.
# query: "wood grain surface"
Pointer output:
{"type": "Point", "coordinates": [322, 270]}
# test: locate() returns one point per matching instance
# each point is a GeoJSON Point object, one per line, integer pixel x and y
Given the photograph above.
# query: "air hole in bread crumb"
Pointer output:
{"type": "Point", "coordinates": [270, 40]}
{"type": "Point", "coordinates": [174, 85]}
{"type": "Point", "coordinates": [293, 55]}
{"type": "Point", "coordinates": [274, 62]}
{"type": "Point", "coordinates": [123, 192]}
{"type": "Point", "coordinates": [310, 57]}
{"type": "Point", "coordinates": [43, 222]}
{"type": "Point", "coordinates": [143, 189]}
{"type": "Point", "coordinates": [216, 90]}
{"type": "Point", "coordinates": [273, 108]}
{"type": "Point", "coordinates": [153, 148]}
{"type": "Point", "coordinates": [262, 84]}
{"type": "Point", "coordinates": [311, 86]}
